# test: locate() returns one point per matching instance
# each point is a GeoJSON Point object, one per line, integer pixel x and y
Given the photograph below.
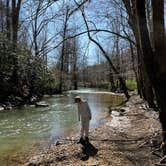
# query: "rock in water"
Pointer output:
{"type": "Point", "coordinates": [1, 108]}
{"type": "Point", "coordinates": [41, 104]}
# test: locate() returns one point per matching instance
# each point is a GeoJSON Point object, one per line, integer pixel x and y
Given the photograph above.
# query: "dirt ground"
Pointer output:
{"type": "Point", "coordinates": [129, 137]}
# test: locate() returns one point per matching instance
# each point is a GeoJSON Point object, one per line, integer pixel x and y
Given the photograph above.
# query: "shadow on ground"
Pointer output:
{"type": "Point", "coordinates": [88, 150]}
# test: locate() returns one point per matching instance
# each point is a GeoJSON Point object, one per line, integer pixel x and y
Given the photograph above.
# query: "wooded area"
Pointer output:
{"type": "Point", "coordinates": [128, 37]}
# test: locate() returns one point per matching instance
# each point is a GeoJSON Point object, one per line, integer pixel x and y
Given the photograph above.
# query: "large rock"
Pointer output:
{"type": "Point", "coordinates": [41, 104]}
{"type": "Point", "coordinates": [1, 108]}
{"type": "Point", "coordinates": [33, 99]}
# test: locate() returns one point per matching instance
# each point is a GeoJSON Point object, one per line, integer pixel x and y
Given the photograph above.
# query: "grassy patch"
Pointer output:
{"type": "Point", "coordinates": [131, 85]}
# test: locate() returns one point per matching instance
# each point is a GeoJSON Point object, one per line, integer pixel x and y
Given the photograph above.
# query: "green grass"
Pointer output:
{"type": "Point", "coordinates": [131, 85]}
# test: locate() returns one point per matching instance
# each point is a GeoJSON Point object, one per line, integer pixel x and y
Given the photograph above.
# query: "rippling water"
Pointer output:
{"type": "Point", "coordinates": [23, 128]}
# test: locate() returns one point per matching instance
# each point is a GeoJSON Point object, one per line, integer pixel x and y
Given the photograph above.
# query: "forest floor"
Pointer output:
{"type": "Point", "coordinates": [130, 137]}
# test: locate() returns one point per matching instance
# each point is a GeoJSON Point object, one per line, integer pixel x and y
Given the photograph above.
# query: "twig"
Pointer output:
{"type": "Point", "coordinates": [160, 162]}
{"type": "Point", "coordinates": [144, 143]}
{"type": "Point", "coordinates": [154, 153]}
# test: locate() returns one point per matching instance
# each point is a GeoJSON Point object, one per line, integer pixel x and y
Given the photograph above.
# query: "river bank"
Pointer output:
{"type": "Point", "coordinates": [129, 137]}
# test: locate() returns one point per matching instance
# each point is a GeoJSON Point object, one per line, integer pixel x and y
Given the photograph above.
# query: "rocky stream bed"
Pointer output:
{"type": "Point", "coordinates": [130, 136]}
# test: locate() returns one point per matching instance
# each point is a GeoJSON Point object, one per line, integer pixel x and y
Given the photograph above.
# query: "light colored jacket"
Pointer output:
{"type": "Point", "coordinates": [84, 111]}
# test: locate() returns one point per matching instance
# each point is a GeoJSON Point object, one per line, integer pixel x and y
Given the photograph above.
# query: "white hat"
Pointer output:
{"type": "Point", "coordinates": [77, 97]}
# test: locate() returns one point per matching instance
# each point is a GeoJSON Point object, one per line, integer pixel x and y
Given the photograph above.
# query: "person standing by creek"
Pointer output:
{"type": "Point", "coordinates": [84, 114]}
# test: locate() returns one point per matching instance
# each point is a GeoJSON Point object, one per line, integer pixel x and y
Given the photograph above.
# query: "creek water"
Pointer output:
{"type": "Point", "coordinates": [27, 127]}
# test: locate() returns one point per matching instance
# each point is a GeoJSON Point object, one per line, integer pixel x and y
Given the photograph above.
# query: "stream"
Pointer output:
{"type": "Point", "coordinates": [27, 127]}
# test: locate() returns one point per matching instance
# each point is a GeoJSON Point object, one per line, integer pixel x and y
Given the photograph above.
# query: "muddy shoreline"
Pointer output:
{"type": "Point", "coordinates": [132, 142]}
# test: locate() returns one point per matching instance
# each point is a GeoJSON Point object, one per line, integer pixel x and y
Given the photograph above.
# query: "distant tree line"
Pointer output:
{"type": "Point", "coordinates": [26, 44]}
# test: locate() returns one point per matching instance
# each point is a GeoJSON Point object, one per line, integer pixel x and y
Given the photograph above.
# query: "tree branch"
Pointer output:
{"type": "Point", "coordinates": [122, 82]}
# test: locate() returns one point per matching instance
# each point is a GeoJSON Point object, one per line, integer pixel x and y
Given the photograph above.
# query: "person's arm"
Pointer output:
{"type": "Point", "coordinates": [89, 110]}
{"type": "Point", "coordinates": [78, 113]}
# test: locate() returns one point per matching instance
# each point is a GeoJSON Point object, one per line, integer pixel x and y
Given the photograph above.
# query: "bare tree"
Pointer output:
{"type": "Point", "coordinates": [1, 16]}
{"type": "Point", "coordinates": [144, 84]}
{"type": "Point", "coordinates": [16, 6]}
{"type": "Point", "coordinates": [8, 18]}
{"type": "Point", "coordinates": [122, 82]}
{"type": "Point", "coordinates": [74, 62]}
{"type": "Point", "coordinates": [63, 49]}
{"type": "Point", "coordinates": [154, 60]}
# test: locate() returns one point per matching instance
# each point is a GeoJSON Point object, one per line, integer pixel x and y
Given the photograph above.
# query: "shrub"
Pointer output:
{"type": "Point", "coordinates": [131, 85]}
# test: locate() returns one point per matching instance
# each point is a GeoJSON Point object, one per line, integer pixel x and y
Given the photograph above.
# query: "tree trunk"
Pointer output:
{"type": "Point", "coordinates": [75, 81]}
{"type": "Point", "coordinates": [63, 53]}
{"type": "Point", "coordinates": [145, 86]}
{"type": "Point", "coordinates": [147, 53]}
{"type": "Point", "coordinates": [8, 24]}
{"type": "Point", "coordinates": [139, 71]}
{"type": "Point", "coordinates": [160, 59]}
{"type": "Point", "coordinates": [112, 87]}
{"type": "Point", "coordinates": [15, 21]}
{"type": "Point", "coordinates": [1, 16]}
{"type": "Point", "coordinates": [155, 61]}
{"type": "Point", "coordinates": [147, 89]}
{"type": "Point", "coordinates": [133, 58]}
{"type": "Point", "coordinates": [16, 5]}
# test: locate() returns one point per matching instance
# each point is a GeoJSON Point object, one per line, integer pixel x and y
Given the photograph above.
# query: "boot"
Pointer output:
{"type": "Point", "coordinates": [86, 139]}
{"type": "Point", "coordinates": [80, 141]}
